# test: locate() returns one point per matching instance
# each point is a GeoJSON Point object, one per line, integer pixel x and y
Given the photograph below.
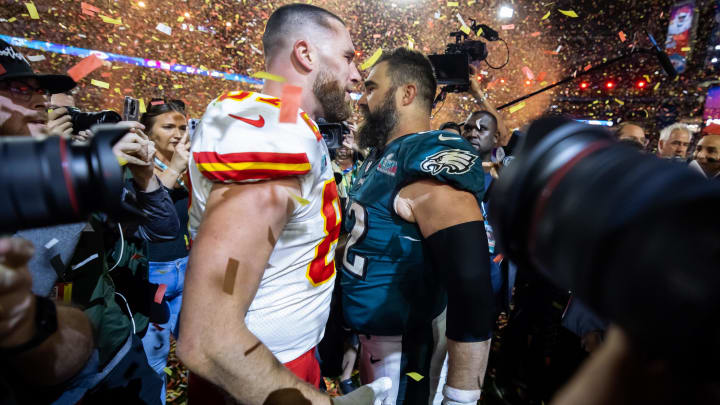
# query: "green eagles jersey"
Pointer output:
{"type": "Point", "coordinates": [388, 285]}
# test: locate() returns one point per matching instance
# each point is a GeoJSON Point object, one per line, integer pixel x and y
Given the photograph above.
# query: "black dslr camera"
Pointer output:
{"type": "Point", "coordinates": [451, 68]}
{"type": "Point", "coordinates": [82, 121]}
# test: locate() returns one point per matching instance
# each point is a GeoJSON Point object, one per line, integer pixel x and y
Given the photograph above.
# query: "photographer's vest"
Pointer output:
{"type": "Point", "coordinates": [86, 283]}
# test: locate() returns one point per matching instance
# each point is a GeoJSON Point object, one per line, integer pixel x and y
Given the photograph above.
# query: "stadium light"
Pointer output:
{"type": "Point", "coordinates": [641, 84]}
{"type": "Point", "coordinates": [584, 85]}
{"type": "Point", "coordinates": [609, 84]}
{"type": "Point", "coordinates": [506, 12]}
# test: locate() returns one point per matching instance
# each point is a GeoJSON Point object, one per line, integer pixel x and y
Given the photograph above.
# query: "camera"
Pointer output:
{"type": "Point", "coordinates": [451, 68]}
{"type": "Point", "coordinates": [333, 133]}
{"type": "Point", "coordinates": [53, 181]}
{"type": "Point", "coordinates": [634, 236]}
{"type": "Point", "coordinates": [82, 121]}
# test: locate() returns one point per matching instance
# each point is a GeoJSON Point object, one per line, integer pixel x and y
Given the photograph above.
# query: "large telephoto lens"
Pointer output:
{"type": "Point", "coordinates": [52, 181]}
{"type": "Point", "coordinates": [636, 237]}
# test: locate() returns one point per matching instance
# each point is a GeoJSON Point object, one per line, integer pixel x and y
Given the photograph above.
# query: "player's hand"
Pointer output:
{"type": "Point", "coordinates": [16, 298]}
{"type": "Point", "coordinates": [370, 394]}
{"type": "Point", "coordinates": [59, 122]}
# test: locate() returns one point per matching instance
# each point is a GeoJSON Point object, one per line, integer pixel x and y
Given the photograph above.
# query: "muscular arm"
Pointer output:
{"type": "Point", "coordinates": [435, 206]}
{"type": "Point", "coordinates": [242, 222]}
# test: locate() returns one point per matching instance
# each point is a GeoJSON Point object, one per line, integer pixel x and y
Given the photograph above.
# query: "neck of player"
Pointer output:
{"type": "Point", "coordinates": [409, 122]}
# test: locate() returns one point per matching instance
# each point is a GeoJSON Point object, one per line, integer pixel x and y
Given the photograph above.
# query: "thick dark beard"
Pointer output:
{"type": "Point", "coordinates": [376, 128]}
{"type": "Point", "coordinates": [331, 97]}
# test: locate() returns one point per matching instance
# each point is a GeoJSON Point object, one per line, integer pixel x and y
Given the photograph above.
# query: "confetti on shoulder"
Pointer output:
{"type": "Point", "coordinates": [374, 58]}
{"type": "Point", "coordinates": [415, 376]}
{"type": "Point", "coordinates": [268, 76]}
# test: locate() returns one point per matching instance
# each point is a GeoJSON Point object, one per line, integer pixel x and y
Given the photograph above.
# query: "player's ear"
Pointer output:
{"type": "Point", "coordinates": [409, 93]}
{"type": "Point", "coordinates": [302, 55]}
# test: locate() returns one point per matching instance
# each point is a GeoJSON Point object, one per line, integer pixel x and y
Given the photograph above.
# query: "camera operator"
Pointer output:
{"type": "Point", "coordinates": [674, 141]}
{"type": "Point", "coordinates": [59, 120]}
{"type": "Point", "coordinates": [71, 264]}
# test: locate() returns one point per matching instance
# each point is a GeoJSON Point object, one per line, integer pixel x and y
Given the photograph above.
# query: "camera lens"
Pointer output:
{"type": "Point", "coordinates": [51, 181]}
{"type": "Point", "coordinates": [634, 236]}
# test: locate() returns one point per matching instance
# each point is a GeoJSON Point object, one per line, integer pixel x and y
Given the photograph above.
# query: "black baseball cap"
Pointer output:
{"type": "Point", "coordinates": [13, 65]}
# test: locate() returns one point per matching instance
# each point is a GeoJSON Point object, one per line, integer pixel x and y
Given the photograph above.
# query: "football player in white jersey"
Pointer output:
{"type": "Point", "coordinates": [265, 219]}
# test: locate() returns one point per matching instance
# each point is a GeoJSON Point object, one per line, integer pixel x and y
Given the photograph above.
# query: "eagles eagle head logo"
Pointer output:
{"type": "Point", "coordinates": [453, 161]}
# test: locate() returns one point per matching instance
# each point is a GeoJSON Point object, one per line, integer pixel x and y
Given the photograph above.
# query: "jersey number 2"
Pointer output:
{"type": "Point", "coordinates": [357, 234]}
{"type": "Point", "coordinates": [322, 268]}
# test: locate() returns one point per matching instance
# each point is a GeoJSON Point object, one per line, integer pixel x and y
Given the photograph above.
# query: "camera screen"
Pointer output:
{"type": "Point", "coordinates": [451, 69]}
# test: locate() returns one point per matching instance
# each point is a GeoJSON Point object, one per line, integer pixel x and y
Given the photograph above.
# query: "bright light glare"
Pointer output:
{"type": "Point", "coordinates": [141, 3]}
{"type": "Point", "coordinates": [506, 12]}
{"type": "Point", "coordinates": [187, 14]}
{"type": "Point", "coordinates": [714, 60]}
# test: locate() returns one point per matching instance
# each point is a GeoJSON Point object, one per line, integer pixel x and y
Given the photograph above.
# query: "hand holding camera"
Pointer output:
{"type": "Point", "coordinates": [137, 151]}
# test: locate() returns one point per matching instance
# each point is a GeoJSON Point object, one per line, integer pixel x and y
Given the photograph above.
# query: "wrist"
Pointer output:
{"type": "Point", "coordinates": [24, 329]}
{"type": "Point", "coordinates": [455, 396]}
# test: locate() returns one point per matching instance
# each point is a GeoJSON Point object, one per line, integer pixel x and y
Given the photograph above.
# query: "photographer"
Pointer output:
{"type": "Point", "coordinates": [71, 265]}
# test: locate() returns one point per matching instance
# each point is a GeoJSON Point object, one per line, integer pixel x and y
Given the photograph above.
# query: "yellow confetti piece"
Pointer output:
{"type": "Point", "coordinates": [465, 29]}
{"type": "Point", "coordinates": [167, 371]}
{"type": "Point", "coordinates": [121, 161]}
{"type": "Point", "coordinates": [32, 10]}
{"type": "Point", "coordinates": [368, 63]}
{"type": "Point", "coordinates": [543, 83]}
{"type": "Point", "coordinates": [517, 107]}
{"type": "Point", "coordinates": [180, 19]}
{"type": "Point", "coordinates": [143, 110]}
{"type": "Point", "coordinates": [647, 78]}
{"type": "Point", "coordinates": [619, 101]}
{"type": "Point", "coordinates": [98, 83]}
{"type": "Point", "coordinates": [656, 86]}
{"type": "Point", "coordinates": [177, 86]}
{"type": "Point", "coordinates": [686, 49]}
{"type": "Point", "coordinates": [452, 4]}
{"type": "Point", "coordinates": [299, 199]}
{"type": "Point", "coordinates": [480, 32]}
{"type": "Point", "coordinates": [545, 17]}
{"type": "Point", "coordinates": [268, 76]}
{"type": "Point", "coordinates": [471, 2]}
{"type": "Point", "coordinates": [109, 20]}
{"type": "Point", "coordinates": [569, 13]}
{"type": "Point", "coordinates": [13, 19]}
{"type": "Point", "coordinates": [415, 376]}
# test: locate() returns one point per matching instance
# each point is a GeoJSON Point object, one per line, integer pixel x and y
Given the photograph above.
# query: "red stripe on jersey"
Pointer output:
{"type": "Point", "coordinates": [245, 175]}
{"type": "Point", "coordinates": [268, 157]}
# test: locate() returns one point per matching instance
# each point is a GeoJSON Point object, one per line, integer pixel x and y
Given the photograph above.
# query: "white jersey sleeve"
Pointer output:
{"type": "Point", "coordinates": [240, 140]}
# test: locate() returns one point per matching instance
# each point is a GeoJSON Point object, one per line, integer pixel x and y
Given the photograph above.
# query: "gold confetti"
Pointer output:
{"type": "Point", "coordinates": [121, 161]}
{"type": "Point", "coordinates": [32, 10]}
{"type": "Point", "coordinates": [268, 76]}
{"type": "Point", "coordinates": [686, 49]}
{"type": "Point", "coordinates": [99, 83]}
{"type": "Point", "coordinates": [368, 63]}
{"type": "Point", "coordinates": [545, 17]}
{"type": "Point", "coordinates": [619, 101]}
{"type": "Point", "coordinates": [569, 13]}
{"type": "Point", "coordinates": [465, 29]}
{"type": "Point", "coordinates": [109, 20]}
{"type": "Point", "coordinates": [517, 107]}
{"type": "Point", "coordinates": [415, 376]}
{"type": "Point", "coordinates": [452, 4]}
{"type": "Point", "coordinates": [143, 110]}
{"type": "Point", "coordinates": [13, 19]}
{"type": "Point", "coordinates": [167, 371]}
{"type": "Point", "coordinates": [299, 199]}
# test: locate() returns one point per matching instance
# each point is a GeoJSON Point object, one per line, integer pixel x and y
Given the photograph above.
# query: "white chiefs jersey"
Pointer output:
{"type": "Point", "coordinates": [239, 140]}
